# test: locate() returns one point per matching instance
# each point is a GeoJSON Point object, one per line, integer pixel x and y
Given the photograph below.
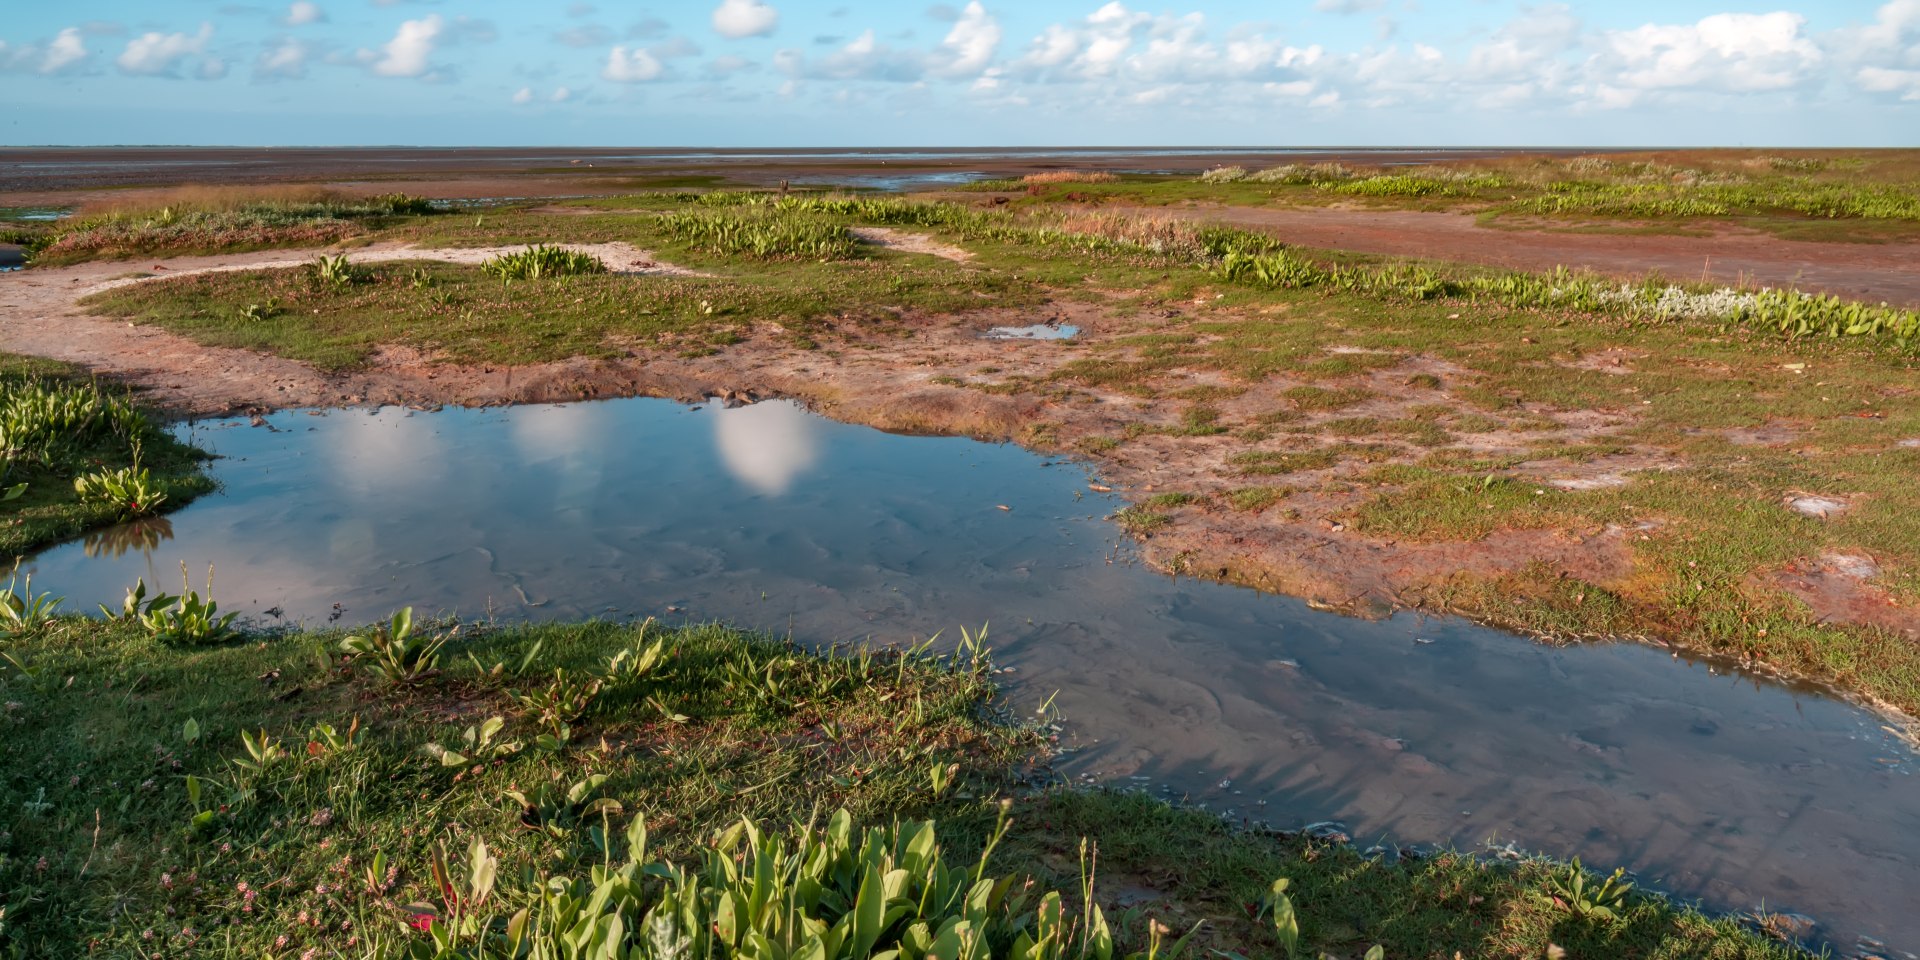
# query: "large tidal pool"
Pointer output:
{"type": "Point", "coordinates": [1709, 784]}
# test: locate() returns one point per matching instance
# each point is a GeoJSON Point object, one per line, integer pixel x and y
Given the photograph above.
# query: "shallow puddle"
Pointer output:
{"type": "Point", "coordinates": [1424, 730]}
{"type": "Point", "coordinates": [1037, 331]}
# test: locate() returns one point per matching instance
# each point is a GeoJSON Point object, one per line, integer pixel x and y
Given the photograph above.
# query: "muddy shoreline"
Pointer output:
{"type": "Point", "coordinates": [889, 385]}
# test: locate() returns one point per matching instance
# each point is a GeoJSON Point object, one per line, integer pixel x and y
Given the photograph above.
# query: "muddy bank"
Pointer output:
{"type": "Point", "coordinates": [1869, 272]}
{"type": "Point", "coordinates": [893, 383]}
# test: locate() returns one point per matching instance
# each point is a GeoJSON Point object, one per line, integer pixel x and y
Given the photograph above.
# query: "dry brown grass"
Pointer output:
{"type": "Point", "coordinates": [211, 199]}
{"type": "Point", "coordinates": [1164, 234]}
{"type": "Point", "coordinates": [1070, 176]}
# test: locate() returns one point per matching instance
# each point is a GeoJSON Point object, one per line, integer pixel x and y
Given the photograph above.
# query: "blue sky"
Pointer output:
{"type": "Point", "coordinates": [985, 72]}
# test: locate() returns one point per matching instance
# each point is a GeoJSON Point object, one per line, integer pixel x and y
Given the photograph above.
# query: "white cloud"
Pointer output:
{"type": "Point", "coordinates": [971, 44]}
{"type": "Point", "coordinates": [65, 53]}
{"type": "Point", "coordinates": [1347, 6]}
{"type": "Point", "coordinates": [561, 95]}
{"type": "Point", "coordinates": [1884, 56]}
{"type": "Point", "coordinates": [65, 50]}
{"type": "Point", "coordinates": [735, 19]}
{"type": "Point", "coordinates": [284, 61]}
{"type": "Point", "coordinates": [1730, 52]}
{"type": "Point", "coordinates": [302, 13]}
{"type": "Point", "coordinates": [636, 66]}
{"type": "Point", "coordinates": [161, 54]}
{"type": "Point", "coordinates": [409, 52]}
{"type": "Point", "coordinates": [525, 95]}
{"type": "Point", "coordinates": [1906, 83]}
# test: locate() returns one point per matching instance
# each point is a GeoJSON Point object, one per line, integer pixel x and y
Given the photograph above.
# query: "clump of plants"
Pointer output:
{"type": "Point", "coordinates": [336, 270]}
{"type": "Point", "coordinates": [1788, 312]}
{"type": "Point", "coordinates": [540, 261]}
{"type": "Point", "coordinates": [830, 891]}
{"type": "Point", "coordinates": [74, 455]}
{"type": "Point", "coordinates": [395, 653]}
{"type": "Point", "coordinates": [784, 231]}
{"type": "Point", "coordinates": [187, 620]}
{"type": "Point", "coordinates": [130, 490]}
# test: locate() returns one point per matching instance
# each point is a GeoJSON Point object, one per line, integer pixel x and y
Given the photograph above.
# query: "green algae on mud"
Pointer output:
{"type": "Point", "coordinates": [273, 795]}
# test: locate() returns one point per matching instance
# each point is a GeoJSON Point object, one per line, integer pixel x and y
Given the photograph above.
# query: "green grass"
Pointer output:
{"type": "Point", "coordinates": [56, 427]}
{"type": "Point", "coordinates": [464, 314]}
{"type": "Point", "coordinates": [271, 797]}
{"type": "Point", "coordinates": [1870, 195]}
{"type": "Point", "coordinates": [1255, 499]}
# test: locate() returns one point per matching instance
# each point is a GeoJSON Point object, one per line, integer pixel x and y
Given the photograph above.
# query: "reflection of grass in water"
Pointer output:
{"type": "Point", "coordinates": [141, 536]}
{"type": "Point", "coordinates": [242, 786]}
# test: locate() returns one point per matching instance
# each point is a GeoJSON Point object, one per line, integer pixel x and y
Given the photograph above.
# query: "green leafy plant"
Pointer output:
{"type": "Point", "coordinates": [337, 271]}
{"type": "Point", "coordinates": [137, 602]}
{"type": "Point", "coordinates": [395, 652]}
{"type": "Point", "coordinates": [477, 744]}
{"type": "Point", "coordinates": [22, 609]}
{"type": "Point", "coordinates": [1286, 923]}
{"type": "Point", "coordinates": [185, 621]}
{"type": "Point", "coordinates": [501, 669]}
{"type": "Point", "coordinates": [262, 752]}
{"type": "Point", "coordinates": [557, 810]}
{"type": "Point", "coordinates": [260, 312]}
{"type": "Point", "coordinates": [825, 892]}
{"type": "Point", "coordinates": [325, 741]}
{"type": "Point", "coordinates": [563, 700]}
{"type": "Point", "coordinates": [131, 490]}
{"type": "Point", "coordinates": [785, 231]}
{"type": "Point", "coordinates": [540, 261]}
{"type": "Point", "coordinates": [1588, 896]}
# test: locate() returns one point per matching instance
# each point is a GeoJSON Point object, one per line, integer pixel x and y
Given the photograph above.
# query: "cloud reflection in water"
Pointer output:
{"type": "Point", "coordinates": [767, 445]}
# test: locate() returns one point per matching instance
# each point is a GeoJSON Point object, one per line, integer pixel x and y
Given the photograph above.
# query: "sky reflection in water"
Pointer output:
{"type": "Point", "coordinates": [772, 518]}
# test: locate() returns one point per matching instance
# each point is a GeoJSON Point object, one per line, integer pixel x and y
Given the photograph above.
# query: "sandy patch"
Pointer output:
{"type": "Point", "coordinates": [910, 243]}
{"type": "Point", "coordinates": [620, 258]}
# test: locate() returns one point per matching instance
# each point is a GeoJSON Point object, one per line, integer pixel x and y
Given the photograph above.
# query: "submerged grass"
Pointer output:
{"type": "Point", "coordinates": [276, 797]}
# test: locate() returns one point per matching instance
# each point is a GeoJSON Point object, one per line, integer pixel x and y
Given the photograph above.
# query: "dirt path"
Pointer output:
{"type": "Point", "coordinates": [1870, 272]}
{"type": "Point", "coordinates": [39, 315]}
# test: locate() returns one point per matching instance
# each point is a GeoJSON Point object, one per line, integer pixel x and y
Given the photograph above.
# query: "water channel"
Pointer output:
{"type": "Point", "coordinates": [1709, 784]}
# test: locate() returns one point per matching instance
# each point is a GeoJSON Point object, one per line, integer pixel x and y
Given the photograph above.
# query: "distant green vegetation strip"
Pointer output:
{"type": "Point", "coordinates": [420, 790]}
{"type": "Point", "coordinates": [210, 220]}
{"type": "Point", "coordinates": [76, 455]}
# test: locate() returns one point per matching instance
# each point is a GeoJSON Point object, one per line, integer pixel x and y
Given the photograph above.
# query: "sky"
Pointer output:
{"type": "Point", "coordinates": [791, 73]}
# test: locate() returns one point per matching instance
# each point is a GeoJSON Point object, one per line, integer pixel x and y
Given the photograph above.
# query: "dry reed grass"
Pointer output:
{"type": "Point", "coordinates": [1070, 176]}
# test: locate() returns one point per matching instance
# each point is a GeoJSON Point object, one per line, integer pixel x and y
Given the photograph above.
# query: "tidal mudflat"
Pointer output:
{"type": "Point", "coordinates": [1411, 730]}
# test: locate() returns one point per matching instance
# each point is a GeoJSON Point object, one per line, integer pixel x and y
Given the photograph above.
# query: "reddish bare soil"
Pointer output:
{"type": "Point", "coordinates": [1871, 272]}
